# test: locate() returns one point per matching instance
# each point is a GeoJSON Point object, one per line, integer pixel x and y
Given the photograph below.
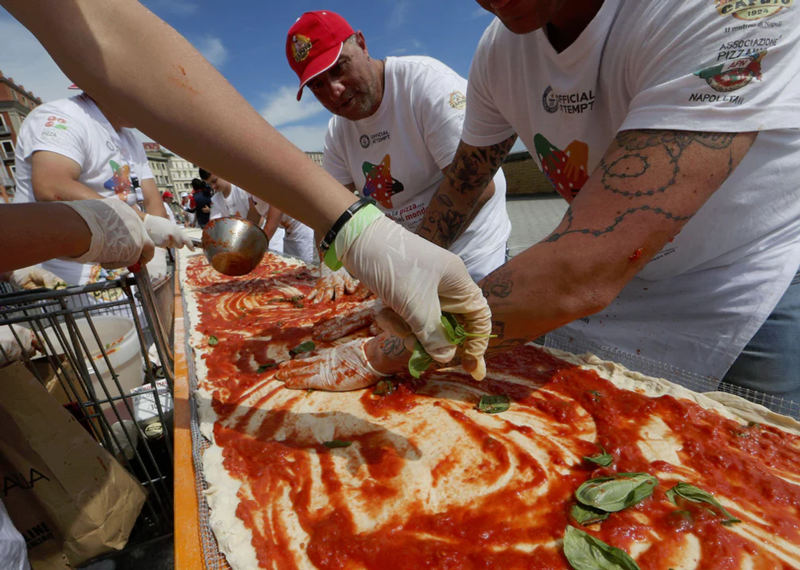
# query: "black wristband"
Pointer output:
{"type": "Point", "coordinates": [326, 242]}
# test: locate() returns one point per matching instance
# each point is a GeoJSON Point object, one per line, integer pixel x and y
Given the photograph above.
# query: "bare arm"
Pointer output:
{"type": "Point", "coordinates": [144, 71]}
{"type": "Point", "coordinates": [33, 233]}
{"type": "Point", "coordinates": [273, 221]}
{"type": "Point", "coordinates": [153, 203]}
{"type": "Point", "coordinates": [54, 178]}
{"type": "Point", "coordinates": [646, 188]}
{"type": "Point", "coordinates": [463, 191]}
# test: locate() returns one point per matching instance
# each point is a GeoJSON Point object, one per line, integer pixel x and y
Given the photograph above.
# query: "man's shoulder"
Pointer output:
{"type": "Point", "coordinates": [416, 66]}
{"type": "Point", "coordinates": [63, 113]}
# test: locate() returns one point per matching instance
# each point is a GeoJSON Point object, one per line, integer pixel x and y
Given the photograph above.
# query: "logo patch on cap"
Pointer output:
{"type": "Point", "coordinates": [301, 45]}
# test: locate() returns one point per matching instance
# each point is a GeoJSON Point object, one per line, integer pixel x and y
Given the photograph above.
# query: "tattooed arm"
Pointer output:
{"type": "Point", "coordinates": [646, 188]}
{"type": "Point", "coordinates": [464, 190]}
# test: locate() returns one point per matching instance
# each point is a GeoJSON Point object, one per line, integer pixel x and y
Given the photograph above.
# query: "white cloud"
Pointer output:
{"type": "Point", "coordinates": [283, 108]}
{"type": "Point", "coordinates": [308, 138]}
{"type": "Point", "coordinates": [213, 50]}
{"type": "Point", "coordinates": [398, 16]}
{"type": "Point", "coordinates": [25, 61]}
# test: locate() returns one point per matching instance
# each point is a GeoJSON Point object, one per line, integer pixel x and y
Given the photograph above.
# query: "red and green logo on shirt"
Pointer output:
{"type": "Point", "coordinates": [379, 184]}
{"type": "Point", "coordinates": [567, 170]}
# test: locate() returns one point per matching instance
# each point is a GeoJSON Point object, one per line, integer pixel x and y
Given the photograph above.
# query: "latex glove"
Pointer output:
{"type": "Point", "coordinates": [10, 347]}
{"type": "Point", "coordinates": [35, 277]}
{"type": "Point", "coordinates": [332, 285]}
{"type": "Point", "coordinates": [119, 238]}
{"type": "Point", "coordinates": [165, 233]}
{"type": "Point", "coordinates": [344, 367]}
{"type": "Point", "coordinates": [419, 280]}
{"type": "Point", "coordinates": [341, 325]}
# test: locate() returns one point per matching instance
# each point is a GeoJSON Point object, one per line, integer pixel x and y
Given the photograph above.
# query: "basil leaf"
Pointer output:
{"type": "Point", "coordinates": [384, 388]}
{"type": "Point", "coordinates": [596, 393]}
{"type": "Point", "coordinates": [212, 341]}
{"type": "Point", "coordinates": [586, 515]}
{"type": "Point", "coordinates": [697, 495]}
{"type": "Point", "coordinates": [612, 494]}
{"type": "Point", "coordinates": [450, 325]}
{"type": "Point", "coordinates": [265, 367]}
{"type": "Point", "coordinates": [585, 552]}
{"type": "Point", "coordinates": [336, 443]}
{"type": "Point", "coordinates": [419, 361]}
{"type": "Point", "coordinates": [306, 346]}
{"type": "Point", "coordinates": [493, 404]}
{"type": "Point", "coordinates": [604, 459]}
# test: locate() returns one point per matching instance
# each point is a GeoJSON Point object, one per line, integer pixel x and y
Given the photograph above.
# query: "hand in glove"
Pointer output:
{"type": "Point", "coordinates": [119, 238]}
{"type": "Point", "coordinates": [332, 285]}
{"type": "Point", "coordinates": [418, 280]}
{"type": "Point", "coordinates": [13, 347]}
{"type": "Point", "coordinates": [35, 277]}
{"type": "Point", "coordinates": [165, 233]}
{"type": "Point", "coordinates": [338, 369]}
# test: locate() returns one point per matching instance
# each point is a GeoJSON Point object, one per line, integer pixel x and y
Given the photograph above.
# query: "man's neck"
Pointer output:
{"type": "Point", "coordinates": [570, 22]}
{"type": "Point", "coordinates": [227, 191]}
{"type": "Point", "coordinates": [112, 119]}
{"type": "Point", "coordinates": [380, 68]}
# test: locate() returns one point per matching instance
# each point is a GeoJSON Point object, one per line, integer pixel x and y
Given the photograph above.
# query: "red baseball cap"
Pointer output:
{"type": "Point", "coordinates": [167, 194]}
{"type": "Point", "coordinates": [314, 43]}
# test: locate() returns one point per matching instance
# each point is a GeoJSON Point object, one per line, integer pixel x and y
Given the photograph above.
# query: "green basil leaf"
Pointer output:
{"type": "Point", "coordinates": [306, 346]}
{"type": "Point", "coordinates": [384, 388]}
{"type": "Point", "coordinates": [450, 325]}
{"type": "Point", "coordinates": [612, 494]}
{"type": "Point", "coordinates": [336, 443]}
{"type": "Point", "coordinates": [212, 341]}
{"type": "Point", "coordinates": [697, 495]}
{"type": "Point", "coordinates": [604, 459]}
{"type": "Point", "coordinates": [419, 361]}
{"type": "Point", "coordinates": [586, 515]}
{"type": "Point", "coordinates": [265, 367]}
{"type": "Point", "coordinates": [493, 404]}
{"type": "Point", "coordinates": [585, 552]}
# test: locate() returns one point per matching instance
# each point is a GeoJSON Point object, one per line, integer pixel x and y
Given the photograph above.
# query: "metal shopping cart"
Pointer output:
{"type": "Point", "coordinates": [104, 351]}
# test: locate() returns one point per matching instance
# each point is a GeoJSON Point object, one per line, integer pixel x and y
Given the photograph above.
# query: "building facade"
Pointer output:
{"type": "Point", "coordinates": [15, 104]}
{"type": "Point", "coordinates": [158, 159]}
{"type": "Point", "coordinates": [182, 171]}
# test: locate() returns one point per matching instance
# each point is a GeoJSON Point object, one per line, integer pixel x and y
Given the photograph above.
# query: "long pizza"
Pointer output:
{"type": "Point", "coordinates": [553, 461]}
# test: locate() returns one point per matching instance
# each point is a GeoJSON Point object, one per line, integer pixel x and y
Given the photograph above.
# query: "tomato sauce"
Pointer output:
{"type": "Point", "coordinates": [500, 526]}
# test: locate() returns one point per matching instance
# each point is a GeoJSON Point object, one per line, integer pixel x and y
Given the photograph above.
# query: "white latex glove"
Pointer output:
{"type": "Point", "coordinates": [119, 238]}
{"type": "Point", "coordinates": [165, 233]}
{"type": "Point", "coordinates": [12, 350]}
{"type": "Point", "coordinates": [35, 277]}
{"type": "Point", "coordinates": [419, 280]}
{"type": "Point", "coordinates": [332, 285]}
{"type": "Point", "coordinates": [344, 367]}
{"type": "Point", "coordinates": [343, 324]}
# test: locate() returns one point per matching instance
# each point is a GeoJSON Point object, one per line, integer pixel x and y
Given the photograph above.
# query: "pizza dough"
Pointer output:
{"type": "Point", "coordinates": [420, 478]}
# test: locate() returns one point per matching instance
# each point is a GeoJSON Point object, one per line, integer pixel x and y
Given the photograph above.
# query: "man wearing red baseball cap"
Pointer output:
{"type": "Point", "coordinates": [396, 128]}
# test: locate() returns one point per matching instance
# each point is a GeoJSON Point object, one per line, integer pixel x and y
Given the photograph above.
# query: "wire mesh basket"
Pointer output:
{"type": "Point", "coordinates": [104, 352]}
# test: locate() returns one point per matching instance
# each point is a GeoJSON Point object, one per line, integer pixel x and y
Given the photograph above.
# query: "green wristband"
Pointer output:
{"type": "Point", "coordinates": [348, 234]}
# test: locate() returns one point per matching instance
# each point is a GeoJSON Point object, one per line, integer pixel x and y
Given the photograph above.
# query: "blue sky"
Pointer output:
{"type": "Point", "coordinates": [244, 39]}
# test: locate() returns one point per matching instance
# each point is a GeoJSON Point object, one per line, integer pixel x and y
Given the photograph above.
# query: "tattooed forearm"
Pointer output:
{"type": "Point", "coordinates": [557, 235]}
{"type": "Point", "coordinates": [499, 283]}
{"type": "Point", "coordinates": [392, 346]}
{"type": "Point", "coordinates": [469, 174]}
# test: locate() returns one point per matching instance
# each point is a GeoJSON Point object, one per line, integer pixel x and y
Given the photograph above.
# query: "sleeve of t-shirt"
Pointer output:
{"type": "Point", "coordinates": [333, 156]}
{"type": "Point", "coordinates": [441, 111]}
{"type": "Point", "coordinates": [54, 130]}
{"type": "Point", "coordinates": [719, 74]}
{"type": "Point", "coordinates": [484, 124]}
{"type": "Point", "coordinates": [141, 166]}
{"type": "Point", "coordinates": [216, 210]}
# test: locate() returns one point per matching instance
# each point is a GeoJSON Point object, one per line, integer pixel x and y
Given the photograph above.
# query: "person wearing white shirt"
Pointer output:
{"type": "Point", "coordinates": [396, 126]}
{"type": "Point", "coordinates": [72, 149]}
{"type": "Point", "coordinates": [297, 238]}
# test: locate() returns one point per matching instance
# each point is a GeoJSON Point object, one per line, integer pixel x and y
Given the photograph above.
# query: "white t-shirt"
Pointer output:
{"type": "Point", "coordinates": [298, 238]}
{"type": "Point", "coordinates": [77, 129]}
{"type": "Point", "coordinates": [236, 204]}
{"type": "Point", "coordinates": [396, 156]}
{"type": "Point", "coordinates": [696, 66]}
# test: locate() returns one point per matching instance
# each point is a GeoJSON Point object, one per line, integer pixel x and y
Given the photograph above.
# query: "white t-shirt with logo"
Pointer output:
{"type": "Point", "coordinates": [695, 65]}
{"type": "Point", "coordinates": [77, 129]}
{"type": "Point", "coordinates": [298, 238]}
{"type": "Point", "coordinates": [396, 156]}
{"type": "Point", "coordinates": [237, 204]}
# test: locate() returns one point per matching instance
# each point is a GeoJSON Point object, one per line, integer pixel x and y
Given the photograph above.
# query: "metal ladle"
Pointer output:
{"type": "Point", "coordinates": [233, 246]}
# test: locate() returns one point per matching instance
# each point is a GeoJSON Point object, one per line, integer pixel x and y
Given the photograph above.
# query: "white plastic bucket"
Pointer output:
{"type": "Point", "coordinates": [121, 343]}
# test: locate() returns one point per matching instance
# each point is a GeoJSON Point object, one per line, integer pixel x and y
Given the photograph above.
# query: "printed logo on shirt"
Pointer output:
{"type": "Point", "coordinates": [568, 169]}
{"type": "Point", "coordinates": [733, 75]}
{"type": "Point", "coordinates": [379, 184]}
{"type": "Point", "coordinates": [569, 104]}
{"type": "Point", "coordinates": [56, 123]}
{"type": "Point", "coordinates": [364, 140]}
{"type": "Point", "coordinates": [120, 182]}
{"type": "Point", "coordinates": [751, 9]}
{"type": "Point", "coordinates": [301, 45]}
{"type": "Point", "coordinates": [736, 49]}
{"type": "Point", "coordinates": [458, 100]}
{"type": "Point", "coordinates": [110, 146]}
